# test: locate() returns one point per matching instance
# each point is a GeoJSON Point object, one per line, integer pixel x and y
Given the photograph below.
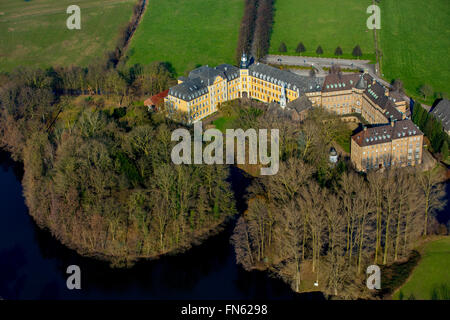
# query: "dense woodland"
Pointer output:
{"type": "Point", "coordinates": [313, 222]}
{"type": "Point", "coordinates": [102, 181]}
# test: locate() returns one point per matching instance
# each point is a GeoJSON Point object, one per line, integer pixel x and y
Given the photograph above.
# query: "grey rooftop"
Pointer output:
{"type": "Point", "coordinates": [442, 112]}
{"type": "Point", "coordinates": [292, 81]}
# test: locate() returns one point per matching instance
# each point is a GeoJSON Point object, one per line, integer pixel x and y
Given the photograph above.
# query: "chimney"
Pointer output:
{"type": "Point", "coordinates": [386, 92]}
{"type": "Point", "coordinates": [365, 128]}
{"type": "Point", "coordinates": [392, 123]}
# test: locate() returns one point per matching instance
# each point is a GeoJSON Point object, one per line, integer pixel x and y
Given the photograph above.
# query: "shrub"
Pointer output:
{"type": "Point", "coordinates": [357, 51]}
{"type": "Point", "coordinates": [319, 50]}
{"type": "Point", "coordinates": [300, 48]}
{"type": "Point", "coordinates": [426, 90]}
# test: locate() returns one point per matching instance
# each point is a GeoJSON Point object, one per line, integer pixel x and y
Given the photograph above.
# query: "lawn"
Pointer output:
{"type": "Point", "coordinates": [223, 123]}
{"type": "Point", "coordinates": [415, 41]}
{"type": "Point", "coordinates": [323, 22]}
{"type": "Point", "coordinates": [188, 33]}
{"type": "Point", "coordinates": [34, 33]}
{"type": "Point", "coordinates": [343, 138]}
{"type": "Point", "coordinates": [431, 274]}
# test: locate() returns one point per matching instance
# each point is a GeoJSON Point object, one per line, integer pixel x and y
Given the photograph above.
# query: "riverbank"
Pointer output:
{"type": "Point", "coordinates": [430, 279]}
{"type": "Point", "coordinates": [36, 262]}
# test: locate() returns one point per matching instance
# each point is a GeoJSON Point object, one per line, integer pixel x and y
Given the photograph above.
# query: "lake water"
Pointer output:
{"type": "Point", "coordinates": [33, 264]}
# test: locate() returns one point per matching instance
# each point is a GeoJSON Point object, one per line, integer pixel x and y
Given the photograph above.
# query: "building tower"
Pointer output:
{"type": "Point", "coordinates": [358, 91]}
{"type": "Point", "coordinates": [244, 61]}
{"type": "Point", "coordinates": [245, 81]}
{"type": "Point", "coordinates": [361, 84]}
{"type": "Point", "coordinates": [333, 156]}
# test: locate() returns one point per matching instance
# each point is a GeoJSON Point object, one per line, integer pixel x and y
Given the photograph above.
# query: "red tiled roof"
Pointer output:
{"type": "Point", "coordinates": [156, 99]}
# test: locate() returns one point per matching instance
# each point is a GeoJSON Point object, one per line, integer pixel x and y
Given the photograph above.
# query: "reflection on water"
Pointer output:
{"type": "Point", "coordinates": [33, 263]}
{"type": "Point", "coordinates": [443, 216]}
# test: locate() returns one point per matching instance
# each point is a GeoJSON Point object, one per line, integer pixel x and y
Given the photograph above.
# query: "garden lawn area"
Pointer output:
{"type": "Point", "coordinates": [34, 33]}
{"type": "Point", "coordinates": [431, 274]}
{"type": "Point", "coordinates": [223, 123]}
{"type": "Point", "coordinates": [323, 22]}
{"type": "Point", "coordinates": [344, 140]}
{"type": "Point", "coordinates": [415, 41]}
{"type": "Point", "coordinates": [343, 137]}
{"type": "Point", "coordinates": [188, 33]}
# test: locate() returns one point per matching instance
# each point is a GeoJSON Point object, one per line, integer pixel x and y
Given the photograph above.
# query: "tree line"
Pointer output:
{"type": "Point", "coordinates": [125, 34]}
{"type": "Point", "coordinates": [432, 128]}
{"type": "Point", "coordinates": [356, 52]}
{"type": "Point", "coordinates": [31, 98]}
{"type": "Point", "coordinates": [246, 29]}
{"type": "Point", "coordinates": [255, 29]}
{"type": "Point", "coordinates": [313, 222]}
{"type": "Point", "coordinates": [132, 82]}
{"type": "Point", "coordinates": [102, 186]}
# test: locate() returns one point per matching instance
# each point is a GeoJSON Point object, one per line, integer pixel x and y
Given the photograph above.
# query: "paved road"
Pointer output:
{"type": "Point", "coordinates": [320, 63]}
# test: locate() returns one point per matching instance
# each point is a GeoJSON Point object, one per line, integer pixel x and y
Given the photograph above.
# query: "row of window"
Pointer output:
{"type": "Point", "coordinates": [337, 98]}
{"type": "Point", "coordinates": [200, 113]}
{"type": "Point", "coordinates": [266, 84]}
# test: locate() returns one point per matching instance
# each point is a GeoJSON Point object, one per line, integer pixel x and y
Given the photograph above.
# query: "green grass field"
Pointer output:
{"type": "Point", "coordinates": [432, 272]}
{"type": "Point", "coordinates": [223, 123]}
{"type": "Point", "coordinates": [34, 33]}
{"type": "Point", "coordinates": [415, 41]}
{"type": "Point", "coordinates": [343, 138]}
{"type": "Point", "coordinates": [188, 33]}
{"type": "Point", "coordinates": [325, 23]}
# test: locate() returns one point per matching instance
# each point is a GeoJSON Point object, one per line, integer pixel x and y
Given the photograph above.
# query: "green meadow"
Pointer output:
{"type": "Point", "coordinates": [322, 22]}
{"type": "Point", "coordinates": [431, 278]}
{"type": "Point", "coordinates": [415, 41]}
{"type": "Point", "coordinates": [187, 33]}
{"type": "Point", "coordinates": [223, 123]}
{"type": "Point", "coordinates": [34, 33]}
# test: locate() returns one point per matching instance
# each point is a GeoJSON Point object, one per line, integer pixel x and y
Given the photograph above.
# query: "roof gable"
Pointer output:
{"type": "Point", "coordinates": [442, 112]}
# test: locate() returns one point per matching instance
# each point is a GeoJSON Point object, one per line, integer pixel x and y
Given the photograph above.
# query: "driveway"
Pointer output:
{"type": "Point", "coordinates": [320, 63]}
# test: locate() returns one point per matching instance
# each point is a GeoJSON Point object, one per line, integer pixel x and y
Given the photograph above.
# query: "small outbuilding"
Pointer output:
{"type": "Point", "coordinates": [333, 157]}
{"type": "Point", "coordinates": [155, 102]}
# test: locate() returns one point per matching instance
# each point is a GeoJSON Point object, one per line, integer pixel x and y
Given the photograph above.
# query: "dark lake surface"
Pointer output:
{"type": "Point", "coordinates": [33, 264]}
{"type": "Point", "coordinates": [443, 216]}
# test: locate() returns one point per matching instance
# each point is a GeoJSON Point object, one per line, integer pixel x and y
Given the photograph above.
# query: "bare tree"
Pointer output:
{"type": "Point", "coordinates": [289, 236]}
{"type": "Point", "coordinates": [242, 244]}
{"type": "Point", "coordinates": [433, 192]}
{"type": "Point", "coordinates": [376, 187]}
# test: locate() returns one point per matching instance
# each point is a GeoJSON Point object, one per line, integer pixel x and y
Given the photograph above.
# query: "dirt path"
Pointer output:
{"type": "Point", "coordinates": [135, 26]}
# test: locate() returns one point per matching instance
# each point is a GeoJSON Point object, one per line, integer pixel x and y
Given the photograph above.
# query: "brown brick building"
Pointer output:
{"type": "Point", "coordinates": [396, 144]}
